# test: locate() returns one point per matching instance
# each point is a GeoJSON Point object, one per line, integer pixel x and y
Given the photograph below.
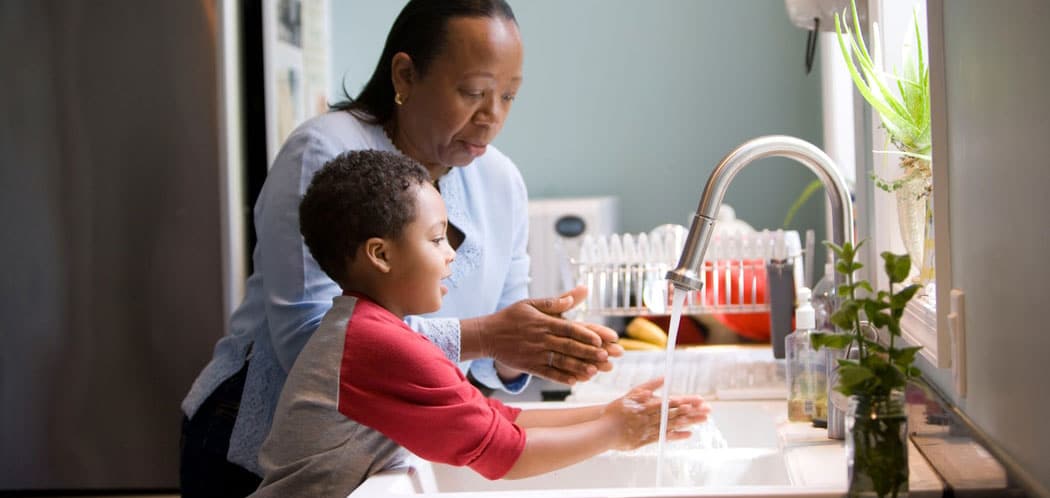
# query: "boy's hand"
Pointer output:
{"type": "Point", "coordinates": [637, 415]}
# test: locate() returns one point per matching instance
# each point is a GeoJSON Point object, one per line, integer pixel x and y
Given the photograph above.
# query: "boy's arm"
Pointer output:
{"type": "Point", "coordinates": [552, 448]}
{"type": "Point", "coordinates": [558, 417]}
{"type": "Point", "coordinates": [624, 424]}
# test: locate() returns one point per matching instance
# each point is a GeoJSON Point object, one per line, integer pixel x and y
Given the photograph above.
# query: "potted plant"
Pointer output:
{"type": "Point", "coordinates": [875, 377]}
{"type": "Point", "coordinates": [902, 101]}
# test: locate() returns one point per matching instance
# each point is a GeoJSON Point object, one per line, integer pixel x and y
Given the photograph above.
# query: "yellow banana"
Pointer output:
{"type": "Point", "coordinates": [636, 345]}
{"type": "Point", "coordinates": [645, 330]}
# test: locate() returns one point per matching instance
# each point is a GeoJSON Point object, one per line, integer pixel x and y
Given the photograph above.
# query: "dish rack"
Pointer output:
{"type": "Point", "coordinates": [722, 372]}
{"type": "Point", "coordinates": [624, 273]}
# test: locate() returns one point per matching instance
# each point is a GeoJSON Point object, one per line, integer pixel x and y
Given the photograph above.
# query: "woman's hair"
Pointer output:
{"type": "Point", "coordinates": [420, 31]}
{"type": "Point", "coordinates": [356, 196]}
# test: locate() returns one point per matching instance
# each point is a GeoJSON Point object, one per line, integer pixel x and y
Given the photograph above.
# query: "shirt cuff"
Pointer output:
{"type": "Point", "coordinates": [443, 332]}
{"type": "Point", "coordinates": [484, 370]}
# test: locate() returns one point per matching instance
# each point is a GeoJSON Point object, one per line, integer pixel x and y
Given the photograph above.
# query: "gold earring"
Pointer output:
{"type": "Point", "coordinates": [397, 99]}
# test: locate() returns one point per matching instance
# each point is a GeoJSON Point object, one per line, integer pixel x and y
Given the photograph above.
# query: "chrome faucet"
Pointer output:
{"type": "Point", "coordinates": [689, 273]}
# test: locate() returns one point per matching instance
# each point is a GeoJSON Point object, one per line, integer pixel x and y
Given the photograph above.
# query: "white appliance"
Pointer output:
{"type": "Point", "coordinates": [556, 228]}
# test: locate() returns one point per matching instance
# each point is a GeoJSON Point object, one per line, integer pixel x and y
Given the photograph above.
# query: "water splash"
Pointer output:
{"type": "Point", "coordinates": [706, 436]}
{"type": "Point", "coordinates": [672, 338]}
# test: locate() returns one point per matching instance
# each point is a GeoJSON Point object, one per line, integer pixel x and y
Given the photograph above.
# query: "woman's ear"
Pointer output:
{"type": "Point", "coordinates": [402, 74]}
{"type": "Point", "coordinates": [377, 251]}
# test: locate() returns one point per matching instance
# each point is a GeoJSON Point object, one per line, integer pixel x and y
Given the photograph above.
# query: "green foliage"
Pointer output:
{"type": "Point", "coordinates": [902, 100]}
{"type": "Point", "coordinates": [878, 435]}
{"type": "Point", "coordinates": [879, 368]}
{"type": "Point", "coordinates": [813, 187]}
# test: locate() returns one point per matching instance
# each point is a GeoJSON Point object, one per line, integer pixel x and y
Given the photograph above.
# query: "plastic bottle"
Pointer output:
{"type": "Point", "coordinates": [824, 300]}
{"type": "Point", "coordinates": [780, 292]}
{"type": "Point", "coordinates": [806, 376]}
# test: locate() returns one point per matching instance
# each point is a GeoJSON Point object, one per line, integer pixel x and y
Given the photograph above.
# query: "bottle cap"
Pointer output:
{"type": "Point", "coordinates": [804, 316]}
{"type": "Point", "coordinates": [779, 247]}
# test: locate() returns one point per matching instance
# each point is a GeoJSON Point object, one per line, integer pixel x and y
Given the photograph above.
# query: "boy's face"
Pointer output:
{"type": "Point", "coordinates": [422, 256]}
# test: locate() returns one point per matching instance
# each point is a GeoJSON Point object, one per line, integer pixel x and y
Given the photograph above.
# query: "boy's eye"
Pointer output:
{"type": "Point", "coordinates": [508, 97]}
{"type": "Point", "coordinates": [476, 94]}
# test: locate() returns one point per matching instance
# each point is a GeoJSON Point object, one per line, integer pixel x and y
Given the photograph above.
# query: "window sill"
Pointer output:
{"type": "Point", "coordinates": [919, 327]}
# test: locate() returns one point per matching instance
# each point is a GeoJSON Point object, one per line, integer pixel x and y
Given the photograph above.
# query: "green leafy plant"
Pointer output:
{"type": "Point", "coordinates": [877, 377]}
{"type": "Point", "coordinates": [902, 100]}
{"type": "Point", "coordinates": [879, 368]}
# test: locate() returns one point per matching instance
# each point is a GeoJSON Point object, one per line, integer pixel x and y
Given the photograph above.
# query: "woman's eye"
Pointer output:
{"type": "Point", "coordinates": [474, 94]}
{"type": "Point", "coordinates": [438, 240]}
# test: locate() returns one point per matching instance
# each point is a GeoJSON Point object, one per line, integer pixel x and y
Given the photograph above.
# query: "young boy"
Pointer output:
{"type": "Point", "coordinates": [366, 386]}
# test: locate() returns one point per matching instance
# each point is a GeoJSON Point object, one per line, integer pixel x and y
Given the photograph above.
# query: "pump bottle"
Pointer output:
{"type": "Point", "coordinates": [806, 375]}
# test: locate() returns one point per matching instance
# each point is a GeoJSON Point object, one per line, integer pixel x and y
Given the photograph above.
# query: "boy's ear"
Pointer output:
{"type": "Point", "coordinates": [377, 251]}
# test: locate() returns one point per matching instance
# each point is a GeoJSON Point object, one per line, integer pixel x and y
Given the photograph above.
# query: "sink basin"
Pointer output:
{"type": "Point", "coordinates": [747, 448]}
{"type": "Point", "coordinates": [739, 452]}
{"type": "Point", "coordinates": [722, 467]}
{"type": "Point", "coordinates": [743, 452]}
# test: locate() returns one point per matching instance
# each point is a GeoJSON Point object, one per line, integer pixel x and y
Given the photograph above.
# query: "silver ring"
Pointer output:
{"type": "Point", "coordinates": [550, 359]}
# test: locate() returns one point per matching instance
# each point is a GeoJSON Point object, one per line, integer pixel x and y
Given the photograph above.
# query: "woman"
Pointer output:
{"type": "Point", "coordinates": [441, 92]}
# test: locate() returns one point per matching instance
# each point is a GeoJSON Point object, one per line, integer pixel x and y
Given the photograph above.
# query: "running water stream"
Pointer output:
{"type": "Point", "coordinates": [672, 338]}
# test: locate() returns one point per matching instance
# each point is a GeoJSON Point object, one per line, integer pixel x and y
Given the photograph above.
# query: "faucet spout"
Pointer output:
{"type": "Point", "coordinates": [688, 274]}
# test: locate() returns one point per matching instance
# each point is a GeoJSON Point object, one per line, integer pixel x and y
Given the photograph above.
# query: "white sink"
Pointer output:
{"type": "Point", "coordinates": [748, 448]}
{"type": "Point", "coordinates": [751, 461]}
{"type": "Point", "coordinates": [722, 467]}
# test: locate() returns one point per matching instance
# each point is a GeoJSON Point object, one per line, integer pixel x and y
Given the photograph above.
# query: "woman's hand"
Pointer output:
{"type": "Point", "coordinates": [530, 336]}
{"type": "Point", "coordinates": [637, 414]}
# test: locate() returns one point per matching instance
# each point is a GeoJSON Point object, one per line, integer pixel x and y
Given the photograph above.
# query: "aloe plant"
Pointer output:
{"type": "Point", "coordinates": [902, 100]}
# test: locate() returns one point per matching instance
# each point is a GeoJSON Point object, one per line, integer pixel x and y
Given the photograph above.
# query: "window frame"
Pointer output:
{"type": "Point", "coordinates": [924, 323]}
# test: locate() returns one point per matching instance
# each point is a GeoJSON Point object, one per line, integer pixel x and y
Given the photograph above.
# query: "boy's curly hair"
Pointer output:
{"type": "Point", "coordinates": [356, 196]}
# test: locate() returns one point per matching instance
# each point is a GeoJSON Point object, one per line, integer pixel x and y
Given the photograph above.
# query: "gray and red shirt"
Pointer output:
{"type": "Point", "coordinates": [366, 387]}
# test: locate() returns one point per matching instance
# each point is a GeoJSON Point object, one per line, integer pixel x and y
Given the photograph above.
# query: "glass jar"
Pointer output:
{"type": "Point", "coordinates": [877, 445]}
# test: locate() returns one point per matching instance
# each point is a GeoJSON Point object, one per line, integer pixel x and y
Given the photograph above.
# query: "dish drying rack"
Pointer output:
{"type": "Point", "coordinates": [624, 273]}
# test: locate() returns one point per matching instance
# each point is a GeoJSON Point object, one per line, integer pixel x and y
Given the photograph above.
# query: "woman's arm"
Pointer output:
{"type": "Point", "coordinates": [523, 335]}
{"type": "Point", "coordinates": [297, 292]}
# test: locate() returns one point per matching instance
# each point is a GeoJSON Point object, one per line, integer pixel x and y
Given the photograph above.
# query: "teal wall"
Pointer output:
{"type": "Point", "coordinates": [640, 99]}
{"type": "Point", "coordinates": [998, 179]}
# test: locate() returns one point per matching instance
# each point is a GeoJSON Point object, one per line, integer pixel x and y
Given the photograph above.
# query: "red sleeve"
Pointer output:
{"type": "Point", "coordinates": [508, 413]}
{"type": "Point", "coordinates": [396, 381]}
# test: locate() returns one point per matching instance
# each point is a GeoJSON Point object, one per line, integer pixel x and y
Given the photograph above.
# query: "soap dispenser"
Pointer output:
{"type": "Point", "coordinates": [806, 375]}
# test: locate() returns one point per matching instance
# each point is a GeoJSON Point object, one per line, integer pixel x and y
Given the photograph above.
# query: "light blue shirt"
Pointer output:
{"type": "Point", "coordinates": [288, 293]}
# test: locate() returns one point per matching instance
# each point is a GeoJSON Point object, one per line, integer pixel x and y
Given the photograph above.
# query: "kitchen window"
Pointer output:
{"type": "Point", "coordinates": [871, 161]}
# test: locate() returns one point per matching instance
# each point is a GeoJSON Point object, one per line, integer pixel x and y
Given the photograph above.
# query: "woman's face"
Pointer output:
{"type": "Point", "coordinates": [421, 257]}
{"type": "Point", "coordinates": [451, 113]}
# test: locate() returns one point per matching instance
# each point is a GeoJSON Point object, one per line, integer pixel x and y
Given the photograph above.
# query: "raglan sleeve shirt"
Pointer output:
{"type": "Point", "coordinates": [394, 380]}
